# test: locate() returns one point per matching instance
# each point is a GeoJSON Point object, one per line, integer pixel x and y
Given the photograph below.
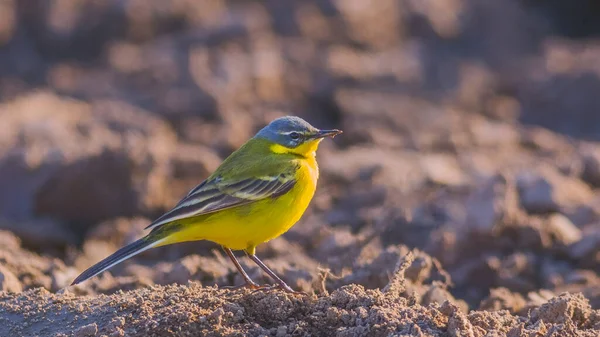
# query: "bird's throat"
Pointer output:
{"type": "Point", "coordinates": [306, 150]}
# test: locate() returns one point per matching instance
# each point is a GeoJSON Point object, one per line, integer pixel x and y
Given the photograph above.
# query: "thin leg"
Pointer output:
{"type": "Point", "coordinates": [274, 276]}
{"type": "Point", "coordinates": [249, 283]}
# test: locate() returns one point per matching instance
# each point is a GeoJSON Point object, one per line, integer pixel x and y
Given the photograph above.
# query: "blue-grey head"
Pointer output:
{"type": "Point", "coordinates": [292, 131]}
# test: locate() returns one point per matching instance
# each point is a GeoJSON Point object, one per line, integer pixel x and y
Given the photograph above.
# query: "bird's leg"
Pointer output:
{"type": "Point", "coordinates": [274, 276]}
{"type": "Point", "coordinates": [249, 283]}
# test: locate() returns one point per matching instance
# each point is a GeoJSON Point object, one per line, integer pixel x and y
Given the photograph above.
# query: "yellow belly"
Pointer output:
{"type": "Point", "coordinates": [247, 226]}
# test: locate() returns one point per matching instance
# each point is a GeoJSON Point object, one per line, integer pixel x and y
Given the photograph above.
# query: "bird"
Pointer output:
{"type": "Point", "coordinates": [257, 193]}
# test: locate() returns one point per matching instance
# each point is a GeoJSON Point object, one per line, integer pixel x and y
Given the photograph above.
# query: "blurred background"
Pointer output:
{"type": "Point", "coordinates": [471, 132]}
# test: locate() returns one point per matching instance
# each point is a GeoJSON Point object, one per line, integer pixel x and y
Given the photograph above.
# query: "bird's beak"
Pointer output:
{"type": "Point", "coordinates": [326, 133]}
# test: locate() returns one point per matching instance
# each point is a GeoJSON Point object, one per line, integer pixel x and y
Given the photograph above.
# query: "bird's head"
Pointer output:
{"type": "Point", "coordinates": [294, 135]}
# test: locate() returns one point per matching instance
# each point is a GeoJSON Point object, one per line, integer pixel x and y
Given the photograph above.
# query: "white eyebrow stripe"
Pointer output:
{"type": "Point", "coordinates": [288, 132]}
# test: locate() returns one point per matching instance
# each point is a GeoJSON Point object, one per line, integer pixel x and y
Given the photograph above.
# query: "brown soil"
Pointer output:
{"type": "Point", "coordinates": [192, 310]}
{"type": "Point", "coordinates": [460, 200]}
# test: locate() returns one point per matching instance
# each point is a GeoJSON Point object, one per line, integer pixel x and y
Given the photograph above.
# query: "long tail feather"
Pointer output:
{"type": "Point", "coordinates": [117, 257]}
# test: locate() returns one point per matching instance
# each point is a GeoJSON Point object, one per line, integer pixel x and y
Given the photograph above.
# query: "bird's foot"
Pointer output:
{"type": "Point", "coordinates": [283, 287]}
{"type": "Point", "coordinates": [248, 285]}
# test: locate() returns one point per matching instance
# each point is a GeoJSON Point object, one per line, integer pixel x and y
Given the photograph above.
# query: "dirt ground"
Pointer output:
{"type": "Point", "coordinates": [460, 200]}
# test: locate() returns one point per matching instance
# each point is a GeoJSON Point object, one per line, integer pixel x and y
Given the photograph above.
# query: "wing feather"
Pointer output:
{"type": "Point", "coordinates": [283, 189]}
{"type": "Point", "coordinates": [216, 195]}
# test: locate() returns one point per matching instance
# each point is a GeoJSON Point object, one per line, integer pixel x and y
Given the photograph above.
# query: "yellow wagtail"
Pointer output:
{"type": "Point", "coordinates": [258, 193]}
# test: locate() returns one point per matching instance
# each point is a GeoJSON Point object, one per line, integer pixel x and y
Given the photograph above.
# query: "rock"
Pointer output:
{"type": "Point", "coordinates": [548, 191]}
{"type": "Point", "coordinates": [443, 170]}
{"type": "Point", "coordinates": [562, 229]}
{"type": "Point", "coordinates": [502, 299]}
{"type": "Point", "coordinates": [591, 165]}
{"type": "Point", "coordinates": [94, 189]}
{"type": "Point", "coordinates": [8, 281]}
{"type": "Point", "coordinates": [587, 247]}
{"type": "Point", "coordinates": [41, 233]}
{"type": "Point", "coordinates": [563, 308]}
{"type": "Point", "coordinates": [438, 294]}
{"type": "Point", "coordinates": [495, 202]}
{"type": "Point", "coordinates": [458, 324]}
{"type": "Point", "coordinates": [81, 163]}
{"type": "Point", "coordinates": [89, 330]}
{"type": "Point", "coordinates": [42, 149]}
{"type": "Point", "coordinates": [516, 272]}
{"type": "Point", "coordinates": [482, 271]}
{"type": "Point", "coordinates": [536, 195]}
{"type": "Point", "coordinates": [528, 233]}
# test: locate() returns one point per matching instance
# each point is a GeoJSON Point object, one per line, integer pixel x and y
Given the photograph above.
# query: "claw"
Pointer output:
{"type": "Point", "coordinates": [252, 286]}
{"type": "Point", "coordinates": [264, 288]}
{"type": "Point", "coordinates": [280, 287]}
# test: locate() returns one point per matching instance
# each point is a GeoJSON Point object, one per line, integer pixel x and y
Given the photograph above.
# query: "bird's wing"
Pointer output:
{"type": "Point", "coordinates": [217, 194]}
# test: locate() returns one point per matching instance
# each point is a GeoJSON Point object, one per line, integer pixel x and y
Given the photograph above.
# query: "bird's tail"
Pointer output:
{"type": "Point", "coordinates": [119, 256]}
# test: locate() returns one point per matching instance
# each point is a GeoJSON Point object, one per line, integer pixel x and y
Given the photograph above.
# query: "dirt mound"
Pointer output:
{"type": "Point", "coordinates": [413, 298]}
{"type": "Point", "coordinates": [189, 310]}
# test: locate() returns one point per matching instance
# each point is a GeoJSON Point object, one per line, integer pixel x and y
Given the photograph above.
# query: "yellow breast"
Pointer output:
{"type": "Point", "coordinates": [290, 207]}
{"type": "Point", "coordinates": [247, 226]}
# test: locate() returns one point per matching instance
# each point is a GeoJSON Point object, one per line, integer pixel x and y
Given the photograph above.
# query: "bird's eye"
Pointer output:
{"type": "Point", "coordinates": [294, 135]}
